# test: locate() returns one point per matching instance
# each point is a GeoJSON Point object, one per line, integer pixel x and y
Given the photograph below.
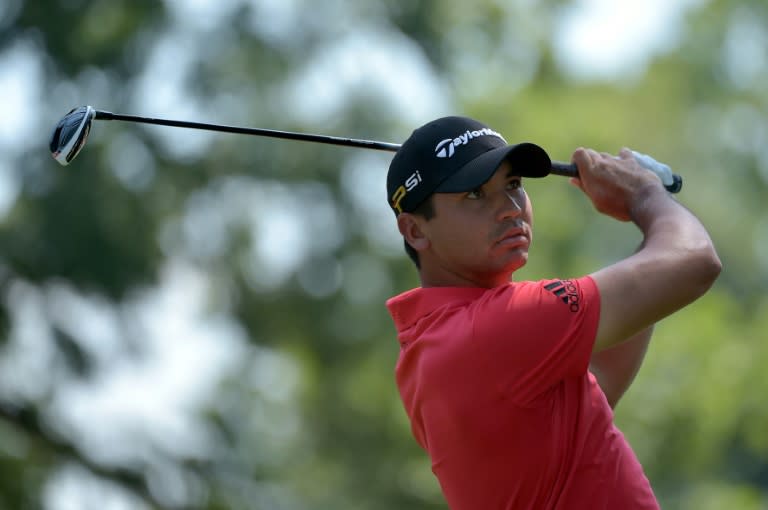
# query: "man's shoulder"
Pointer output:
{"type": "Point", "coordinates": [413, 304]}
{"type": "Point", "coordinates": [534, 301]}
{"type": "Point", "coordinates": [527, 288]}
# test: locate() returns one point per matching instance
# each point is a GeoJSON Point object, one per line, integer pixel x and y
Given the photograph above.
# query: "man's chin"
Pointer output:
{"type": "Point", "coordinates": [517, 262]}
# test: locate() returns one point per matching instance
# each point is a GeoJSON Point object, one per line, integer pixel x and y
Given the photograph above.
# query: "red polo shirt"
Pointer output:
{"type": "Point", "coordinates": [497, 388]}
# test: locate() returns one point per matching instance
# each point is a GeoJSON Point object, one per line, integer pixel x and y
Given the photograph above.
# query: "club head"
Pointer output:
{"type": "Point", "coordinates": [70, 134]}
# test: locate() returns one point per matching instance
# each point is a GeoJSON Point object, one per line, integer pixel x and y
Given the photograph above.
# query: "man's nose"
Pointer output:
{"type": "Point", "coordinates": [514, 201]}
{"type": "Point", "coordinates": [511, 204]}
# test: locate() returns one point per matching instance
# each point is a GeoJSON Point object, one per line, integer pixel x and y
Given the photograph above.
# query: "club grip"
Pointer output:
{"type": "Point", "coordinates": [564, 169]}
{"type": "Point", "coordinates": [570, 170]}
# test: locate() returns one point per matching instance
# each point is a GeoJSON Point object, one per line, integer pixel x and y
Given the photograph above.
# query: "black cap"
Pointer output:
{"type": "Point", "coordinates": [455, 154]}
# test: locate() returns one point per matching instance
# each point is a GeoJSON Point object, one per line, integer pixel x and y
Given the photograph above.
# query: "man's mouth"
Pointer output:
{"type": "Point", "coordinates": [514, 236]}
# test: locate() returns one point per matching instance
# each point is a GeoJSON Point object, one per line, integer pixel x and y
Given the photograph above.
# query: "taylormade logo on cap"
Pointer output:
{"type": "Point", "coordinates": [447, 148]}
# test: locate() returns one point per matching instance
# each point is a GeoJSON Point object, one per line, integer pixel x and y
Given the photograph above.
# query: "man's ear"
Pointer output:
{"type": "Point", "coordinates": [410, 227]}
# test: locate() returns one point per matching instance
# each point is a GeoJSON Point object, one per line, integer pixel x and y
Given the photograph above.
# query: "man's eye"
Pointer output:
{"type": "Point", "coordinates": [475, 194]}
{"type": "Point", "coordinates": [515, 184]}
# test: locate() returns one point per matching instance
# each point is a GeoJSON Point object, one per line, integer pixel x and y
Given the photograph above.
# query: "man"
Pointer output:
{"type": "Point", "coordinates": [495, 375]}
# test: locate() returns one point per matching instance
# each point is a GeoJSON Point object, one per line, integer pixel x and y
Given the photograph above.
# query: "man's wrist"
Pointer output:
{"type": "Point", "coordinates": [648, 202]}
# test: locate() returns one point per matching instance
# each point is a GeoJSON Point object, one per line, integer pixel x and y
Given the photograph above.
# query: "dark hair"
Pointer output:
{"type": "Point", "coordinates": [426, 210]}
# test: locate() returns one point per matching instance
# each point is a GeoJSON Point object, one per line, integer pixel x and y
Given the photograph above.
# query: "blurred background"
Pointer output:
{"type": "Point", "coordinates": [196, 320]}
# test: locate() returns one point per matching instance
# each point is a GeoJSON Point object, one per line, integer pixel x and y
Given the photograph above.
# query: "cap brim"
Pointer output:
{"type": "Point", "coordinates": [528, 160]}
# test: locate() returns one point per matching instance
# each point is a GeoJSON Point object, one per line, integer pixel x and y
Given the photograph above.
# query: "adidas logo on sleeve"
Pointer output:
{"type": "Point", "coordinates": [566, 291]}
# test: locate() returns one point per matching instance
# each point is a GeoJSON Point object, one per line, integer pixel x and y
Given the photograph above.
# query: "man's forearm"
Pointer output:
{"type": "Point", "coordinates": [615, 368]}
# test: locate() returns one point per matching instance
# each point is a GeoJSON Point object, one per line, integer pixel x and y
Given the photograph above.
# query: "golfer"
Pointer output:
{"type": "Point", "coordinates": [509, 385]}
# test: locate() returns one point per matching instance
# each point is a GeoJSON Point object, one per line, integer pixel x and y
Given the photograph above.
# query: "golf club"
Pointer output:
{"type": "Point", "coordinates": [71, 132]}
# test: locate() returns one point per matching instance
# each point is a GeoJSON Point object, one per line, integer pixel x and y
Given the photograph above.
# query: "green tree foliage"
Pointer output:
{"type": "Point", "coordinates": [291, 251]}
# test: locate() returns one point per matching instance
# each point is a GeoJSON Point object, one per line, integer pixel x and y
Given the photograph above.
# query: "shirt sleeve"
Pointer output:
{"type": "Point", "coordinates": [537, 333]}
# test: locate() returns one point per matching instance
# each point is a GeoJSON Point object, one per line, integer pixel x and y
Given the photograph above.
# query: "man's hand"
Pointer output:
{"type": "Point", "coordinates": [615, 185]}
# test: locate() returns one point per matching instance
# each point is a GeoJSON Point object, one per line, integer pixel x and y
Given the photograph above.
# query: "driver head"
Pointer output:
{"type": "Point", "coordinates": [70, 134]}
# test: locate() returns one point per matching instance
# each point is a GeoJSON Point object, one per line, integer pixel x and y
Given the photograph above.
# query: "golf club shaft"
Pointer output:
{"type": "Point", "coordinates": [558, 168]}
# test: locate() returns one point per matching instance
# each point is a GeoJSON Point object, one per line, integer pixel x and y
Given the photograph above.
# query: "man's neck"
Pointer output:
{"type": "Point", "coordinates": [445, 278]}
